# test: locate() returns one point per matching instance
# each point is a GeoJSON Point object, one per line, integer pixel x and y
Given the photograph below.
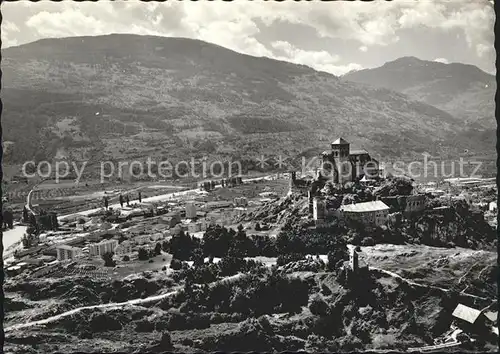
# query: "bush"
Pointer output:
{"type": "Point", "coordinates": [165, 341]}
{"type": "Point", "coordinates": [108, 259]}
{"type": "Point", "coordinates": [102, 322]}
{"type": "Point", "coordinates": [318, 306]}
{"type": "Point", "coordinates": [288, 258]}
{"type": "Point", "coordinates": [368, 241]}
{"type": "Point", "coordinates": [144, 326]}
{"type": "Point", "coordinates": [176, 264]}
{"type": "Point", "coordinates": [143, 254]}
{"type": "Point", "coordinates": [126, 258]}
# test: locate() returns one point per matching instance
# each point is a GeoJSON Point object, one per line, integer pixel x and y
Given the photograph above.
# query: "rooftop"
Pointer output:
{"type": "Point", "coordinates": [466, 313]}
{"type": "Point", "coordinates": [340, 141]}
{"type": "Point", "coordinates": [357, 152]}
{"type": "Point", "coordinates": [376, 205]}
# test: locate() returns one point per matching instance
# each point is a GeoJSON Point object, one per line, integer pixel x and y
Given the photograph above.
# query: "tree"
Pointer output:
{"type": "Point", "coordinates": [126, 258]}
{"type": "Point", "coordinates": [143, 254]}
{"type": "Point", "coordinates": [175, 264]}
{"type": "Point", "coordinates": [257, 227]}
{"type": "Point", "coordinates": [318, 306]}
{"type": "Point", "coordinates": [158, 249]}
{"type": "Point", "coordinates": [197, 257]}
{"type": "Point", "coordinates": [165, 341]}
{"type": "Point", "coordinates": [108, 259]}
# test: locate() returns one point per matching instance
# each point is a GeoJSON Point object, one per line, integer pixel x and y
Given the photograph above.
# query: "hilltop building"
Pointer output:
{"type": "Point", "coordinates": [369, 213]}
{"type": "Point", "coordinates": [346, 165]}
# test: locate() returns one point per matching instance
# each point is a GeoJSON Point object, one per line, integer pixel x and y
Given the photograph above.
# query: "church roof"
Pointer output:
{"type": "Point", "coordinates": [358, 152]}
{"type": "Point", "coordinates": [340, 141]}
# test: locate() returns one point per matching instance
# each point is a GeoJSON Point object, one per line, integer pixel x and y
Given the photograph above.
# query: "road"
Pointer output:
{"type": "Point", "coordinates": [395, 275]}
{"type": "Point", "coordinates": [158, 198]}
{"type": "Point", "coordinates": [113, 305]}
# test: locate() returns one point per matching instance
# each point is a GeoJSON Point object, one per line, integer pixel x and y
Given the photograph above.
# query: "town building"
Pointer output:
{"type": "Point", "coordinates": [218, 204]}
{"type": "Point", "coordinates": [319, 209]}
{"type": "Point", "coordinates": [124, 248]}
{"type": "Point", "coordinates": [142, 239]}
{"type": "Point", "coordinates": [469, 319]}
{"type": "Point", "coordinates": [98, 249]}
{"type": "Point", "coordinates": [240, 201]}
{"type": "Point", "coordinates": [346, 165]}
{"type": "Point", "coordinates": [65, 252]}
{"type": "Point", "coordinates": [190, 210]}
{"type": "Point", "coordinates": [369, 213]}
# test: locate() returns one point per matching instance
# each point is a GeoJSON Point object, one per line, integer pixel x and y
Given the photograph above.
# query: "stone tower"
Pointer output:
{"type": "Point", "coordinates": [340, 154]}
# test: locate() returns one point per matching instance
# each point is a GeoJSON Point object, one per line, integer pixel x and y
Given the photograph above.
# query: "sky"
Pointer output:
{"type": "Point", "coordinates": [335, 37]}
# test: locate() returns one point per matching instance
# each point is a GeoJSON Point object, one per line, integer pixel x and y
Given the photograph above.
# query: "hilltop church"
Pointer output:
{"type": "Point", "coordinates": [346, 165]}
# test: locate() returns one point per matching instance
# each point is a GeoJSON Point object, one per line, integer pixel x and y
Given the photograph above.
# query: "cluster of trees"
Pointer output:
{"type": "Point", "coordinates": [232, 246]}
{"type": "Point", "coordinates": [259, 292]}
{"type": "Point", "coordinates": [144, 254]}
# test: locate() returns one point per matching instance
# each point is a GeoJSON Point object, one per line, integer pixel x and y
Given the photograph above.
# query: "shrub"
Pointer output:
{"type": "Point", "coordinates": [165, 341]}
{"type": "Point", "coordinates": [126, 258]}
{"type": "Point", "coordinates": [144, 326]}
{"type": "Point", "coordinates": [318, 306]}
{"type": "Point", "coordinates": [108, 259]}
{"type": "Point", "coordinates": [143, 254]}
{"type": "Point", "coordinates": [175, 264]}
{"type": "Point", "coordinates": [367, 241]}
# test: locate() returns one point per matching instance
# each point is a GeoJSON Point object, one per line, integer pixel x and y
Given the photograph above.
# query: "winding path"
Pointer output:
{"type": "Point", "coordinates": [395, 275]}
{"type": "Point", "coordinates": [113, 305]}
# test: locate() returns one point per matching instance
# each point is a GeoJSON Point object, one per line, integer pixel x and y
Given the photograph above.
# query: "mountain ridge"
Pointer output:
{"type": "Point", "coordinates": [463, 90]}
{"type": "Point", "coordinates": [128, 96]}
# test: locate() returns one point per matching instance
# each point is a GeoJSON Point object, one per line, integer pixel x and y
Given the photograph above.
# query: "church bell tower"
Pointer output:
{"type": "Point", "coordinates": [340, 153]}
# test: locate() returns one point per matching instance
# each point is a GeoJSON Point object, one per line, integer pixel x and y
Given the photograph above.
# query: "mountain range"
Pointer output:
{"type": "Point", "coordinates": [464, 91]}
{"type": "Point", "coordinates": [124, 96]}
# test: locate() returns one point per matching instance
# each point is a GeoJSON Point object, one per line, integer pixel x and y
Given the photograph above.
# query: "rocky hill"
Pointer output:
{"type": "Point", "coordinates": [127, 97]}
{"type": "Point", "coordinates": [464, 91]}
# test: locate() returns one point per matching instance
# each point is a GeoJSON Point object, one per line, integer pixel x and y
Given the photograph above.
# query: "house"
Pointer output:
{"type": "Point", "coordinates": [347, 165]}
{"type": "Point", "coordinates": [142, 239]}
{"type": "Point", "coordinates": [414, 203]}
{"type": "Point", "coordinates": [493, 207]}
{"type": "Point", "coordinates": [190, 210]}
{"type": "Point", "coordinates": [319, 209]}
{"type": "Point", "coordinates": [407, 204]}
{"type": "Point", "coordinates": [469, 319]}
{"type": "Point", "coordinates": [218, 204]}
{"type": "Point", "coordinates": [193, 227]}
{"type": "Point", "coordinates": [65, 252]}
{"type": "Point", "coordinates": [240, 201]}
{"type": "Point", "coordinates": [124, 248]}
{"type": "Point", "coordinates": [369, 213]}
{"type": "Point", "coordinates": [98, 249]}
